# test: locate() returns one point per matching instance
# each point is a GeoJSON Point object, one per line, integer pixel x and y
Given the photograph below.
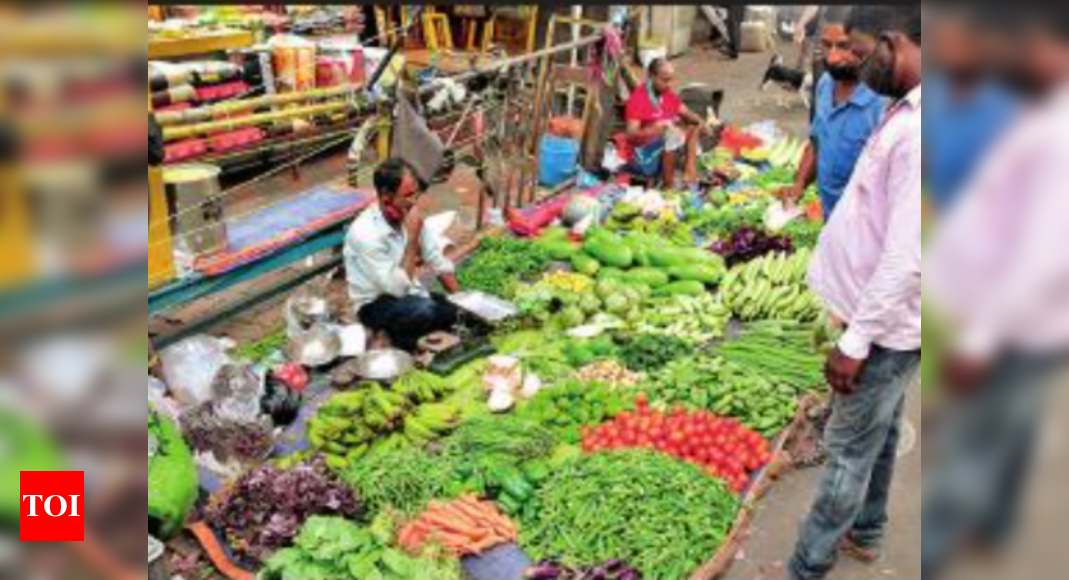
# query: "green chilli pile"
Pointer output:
{"type": "Point", "coordinates": [663, 516]}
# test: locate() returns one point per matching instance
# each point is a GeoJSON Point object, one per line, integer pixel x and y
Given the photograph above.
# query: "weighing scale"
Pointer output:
{"type": "Point", "coordinates": [442, 353]}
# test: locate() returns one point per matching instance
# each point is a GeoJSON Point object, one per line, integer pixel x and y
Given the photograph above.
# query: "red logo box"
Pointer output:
{"type": "Point", "coordinates": [53, 506]}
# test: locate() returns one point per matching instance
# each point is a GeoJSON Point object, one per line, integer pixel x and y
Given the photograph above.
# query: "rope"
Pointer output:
{"type": "Point", "coordinates": [347, 134]}
{"type": "Point", "coordinates": [363, 174]}
{"type": "Point", "coordinates": [494, 68]}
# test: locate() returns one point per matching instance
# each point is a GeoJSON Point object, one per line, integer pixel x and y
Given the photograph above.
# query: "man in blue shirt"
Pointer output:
{"type": "Point", "coordinates": [846, 114]}
{"type": "Point", "coordinates": [966, 109]}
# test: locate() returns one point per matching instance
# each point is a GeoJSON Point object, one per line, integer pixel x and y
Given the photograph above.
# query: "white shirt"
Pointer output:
{"type": "Point", "coordinates": [374, 251]}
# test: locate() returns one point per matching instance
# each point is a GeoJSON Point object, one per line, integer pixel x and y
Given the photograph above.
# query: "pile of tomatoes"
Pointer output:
{"type": "Point", "coordinates": [723, 448]}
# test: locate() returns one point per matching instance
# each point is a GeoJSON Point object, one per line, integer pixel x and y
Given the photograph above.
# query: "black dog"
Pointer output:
{"type": "Point", "coordinates": [788, 79]}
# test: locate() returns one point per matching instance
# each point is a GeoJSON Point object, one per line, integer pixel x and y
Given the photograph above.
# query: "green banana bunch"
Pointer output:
{"type": "Point", "coordinates": [422, 386]}
{"type": "Point", "coordinates": [429, 422]}
{"type": "Point", "coordinates": [772, 287]}
{"type": "Point", "coordinates": [351, 424]}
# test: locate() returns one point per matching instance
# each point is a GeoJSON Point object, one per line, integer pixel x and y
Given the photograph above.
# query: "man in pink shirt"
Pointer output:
{"type": "Point", "coordinates": [867, 270]}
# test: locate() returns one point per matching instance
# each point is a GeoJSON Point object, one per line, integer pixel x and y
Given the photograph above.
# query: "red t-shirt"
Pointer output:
{"type": "Point", "coordinates": [641, 108]}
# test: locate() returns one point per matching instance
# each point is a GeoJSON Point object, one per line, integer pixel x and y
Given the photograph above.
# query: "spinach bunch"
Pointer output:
{"type": "Point", "coordinates": [646, 353]}
{"type": "Point", "coordinates": [500, 262]}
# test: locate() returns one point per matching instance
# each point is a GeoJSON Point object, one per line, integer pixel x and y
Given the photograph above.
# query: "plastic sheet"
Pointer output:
{"type": "Point", "coordinates": [190, 367]}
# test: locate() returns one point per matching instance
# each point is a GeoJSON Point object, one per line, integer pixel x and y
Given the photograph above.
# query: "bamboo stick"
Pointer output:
{"type": "Point", "coordinates": [513, 61]}
{"type": "Point", "coordinates": [222, 110]}
{"type": "Point", "coordinates": [172, 133]}
{"type": "Point", "coordinates": [183, 132]}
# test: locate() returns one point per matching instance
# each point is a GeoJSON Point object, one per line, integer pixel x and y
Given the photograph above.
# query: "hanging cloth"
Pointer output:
{"type": "Point", "coordinates": [415, 142]}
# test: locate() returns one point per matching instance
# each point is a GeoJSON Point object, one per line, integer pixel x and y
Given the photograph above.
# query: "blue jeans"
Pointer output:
{"type": "Point", "coordinates": [862, 443]}
{"type": "Point", "coordinates": [983, 455]}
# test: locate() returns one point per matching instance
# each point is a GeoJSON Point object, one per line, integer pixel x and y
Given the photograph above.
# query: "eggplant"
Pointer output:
{"type": "Point", "coordinates": [544, 571]}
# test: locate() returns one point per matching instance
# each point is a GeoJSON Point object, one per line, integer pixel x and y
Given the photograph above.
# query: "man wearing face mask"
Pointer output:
{"type": "Point", "coordinates": [867, 271]}
{"type": "Point", "coordinates": [384, 250]}
{"type": "Point", "coordinates": [967, 109]}
{"type": "Point", "coordinates": [846, 113]}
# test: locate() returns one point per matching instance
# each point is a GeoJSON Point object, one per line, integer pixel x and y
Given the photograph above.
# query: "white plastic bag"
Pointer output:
{"type": "Point", "coordinates": [190, 366]}
{"type": "Point", "coordinates": [160, 402]}
{"type": "Point", "coordinates": [434, 232]}
{"type": "Point", "coordinates": [777, 216]}
{"type": "Point", "coordinates": [611, 160]}
{"type": "Point", "coordinates": [675, 140]}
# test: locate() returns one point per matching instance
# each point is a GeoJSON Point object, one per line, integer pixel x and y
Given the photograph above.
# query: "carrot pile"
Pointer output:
{"type": "Point", "coordinates": [464, 527]}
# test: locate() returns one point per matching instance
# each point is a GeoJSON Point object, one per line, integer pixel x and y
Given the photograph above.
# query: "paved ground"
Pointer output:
{"type": "Point", "coordinates": [781, 513]}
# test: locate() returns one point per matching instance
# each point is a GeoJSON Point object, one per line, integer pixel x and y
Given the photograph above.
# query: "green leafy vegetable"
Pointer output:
{"type": "Point", "coordinates": [646, 352]}
{"type": "Point", "coordinates": [337, 549]}
{"type": "Point", "coordinates": [500, 262]}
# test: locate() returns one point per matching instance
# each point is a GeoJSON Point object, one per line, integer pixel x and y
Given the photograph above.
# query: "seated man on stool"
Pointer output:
{"type": "Point", "coordinates": [384, 250]}
{"type": "Point", "coordinates": [659, 125]}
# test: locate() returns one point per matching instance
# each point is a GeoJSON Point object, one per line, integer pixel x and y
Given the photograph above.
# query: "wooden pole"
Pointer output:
{"type": "Point", "coordinates": [161, 269]}
{"type": "Point", "coordinates": [18, 266]}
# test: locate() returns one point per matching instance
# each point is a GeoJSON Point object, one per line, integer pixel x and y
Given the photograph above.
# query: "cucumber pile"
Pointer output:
{"type": "Point", "coordinates": [639, 259]}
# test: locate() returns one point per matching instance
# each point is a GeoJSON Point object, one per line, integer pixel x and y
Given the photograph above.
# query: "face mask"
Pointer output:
{"type": "Point", "coordinates": [843, 73]}
{"type": "Point", "coordinates": [392, 212]}
{"type": "Point", "coordinates": [1024, 84]}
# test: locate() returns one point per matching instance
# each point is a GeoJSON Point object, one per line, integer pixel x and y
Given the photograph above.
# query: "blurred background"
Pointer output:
{"type": "Point", "coordinates": [73, 244]}
{"type": "Point", "coordinates": [996, 291]}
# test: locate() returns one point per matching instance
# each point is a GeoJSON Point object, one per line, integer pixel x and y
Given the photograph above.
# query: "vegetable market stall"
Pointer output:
{"type": "Point", "coordinates": [645, 392]}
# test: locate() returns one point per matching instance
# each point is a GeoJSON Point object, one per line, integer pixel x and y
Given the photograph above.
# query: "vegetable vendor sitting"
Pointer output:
{"type": "Point", "coordinates": [659, 126]}
{"type": "Point", "coordinates": [384, 250]}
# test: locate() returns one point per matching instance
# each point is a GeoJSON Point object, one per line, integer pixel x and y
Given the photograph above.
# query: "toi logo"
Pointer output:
{"type": "Point", "coordinates": [52, 506]}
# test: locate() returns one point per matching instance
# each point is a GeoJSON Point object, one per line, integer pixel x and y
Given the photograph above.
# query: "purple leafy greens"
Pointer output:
{"type": "Point", "coordinates": [611, 570]}
{"type": "Point", "coordinates": [748, 244]}
{"type": "Point", "coordinates": [264, 509]}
